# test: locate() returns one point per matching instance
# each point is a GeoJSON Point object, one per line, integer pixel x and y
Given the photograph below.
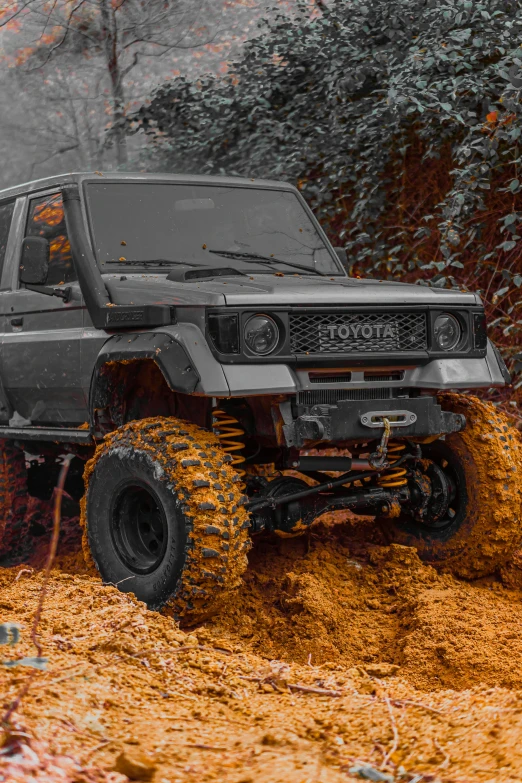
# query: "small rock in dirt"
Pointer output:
{"type": "Point", "coordinates": [367, 772]}
{"type": "Point", "coordinates": [381, 669]}
{"type": "Point", "coordinates": [136, 766]}
{"type": "Point", "coordinates": [275, 738]}
{"type": "Point", "coordinates": [191, 640]}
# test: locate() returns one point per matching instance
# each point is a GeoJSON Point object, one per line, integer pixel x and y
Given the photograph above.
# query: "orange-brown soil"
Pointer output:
{"type": "Point", "coordinates": [336, 651]}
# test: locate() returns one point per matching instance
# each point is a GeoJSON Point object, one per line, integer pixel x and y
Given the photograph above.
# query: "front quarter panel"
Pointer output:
{"type": "Point", "coordinates": [180, 351]}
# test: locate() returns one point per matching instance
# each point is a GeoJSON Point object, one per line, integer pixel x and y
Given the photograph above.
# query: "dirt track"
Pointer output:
{"type": "Point", "coordinates": [333, 653]}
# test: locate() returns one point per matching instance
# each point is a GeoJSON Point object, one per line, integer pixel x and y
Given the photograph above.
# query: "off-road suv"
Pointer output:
{"type": "Point", "coordinates": [197, 344]}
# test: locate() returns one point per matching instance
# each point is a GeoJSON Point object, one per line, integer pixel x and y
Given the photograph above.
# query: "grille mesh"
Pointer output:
{"type": "Point", "coordinates": [331, 396]}
{"type": "Point", "coordinates": [330, 378]}
{"type": "Point", "coordinates": [391, 376]}
{"type": "Point", "coordinates": [357, 332]}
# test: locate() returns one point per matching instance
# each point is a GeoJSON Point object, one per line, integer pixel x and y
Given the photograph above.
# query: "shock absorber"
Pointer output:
{"type": "Point", "coordinates": [228, 430]}
{"type": "Point", "coordinates": [393, 477]}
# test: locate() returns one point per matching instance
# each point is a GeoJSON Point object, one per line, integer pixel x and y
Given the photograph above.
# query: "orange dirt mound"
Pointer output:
{"type": "Point", "coordinates": [337, 652]}
{"type": "Point", "coordinates": [337, 599]}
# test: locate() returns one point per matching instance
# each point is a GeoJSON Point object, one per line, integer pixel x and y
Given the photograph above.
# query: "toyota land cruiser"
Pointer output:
{"type": "Point", "coordinates": [197, 344]}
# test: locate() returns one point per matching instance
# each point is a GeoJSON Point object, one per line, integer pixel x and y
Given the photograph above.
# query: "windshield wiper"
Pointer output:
{"type": "Point", "coordinates": [246, 256]}
{"type": "Point", "coordinates": [153, 262]}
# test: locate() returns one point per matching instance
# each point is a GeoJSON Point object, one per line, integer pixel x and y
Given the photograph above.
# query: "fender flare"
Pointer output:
{"type": "Point", "coordinates": [170, 356]}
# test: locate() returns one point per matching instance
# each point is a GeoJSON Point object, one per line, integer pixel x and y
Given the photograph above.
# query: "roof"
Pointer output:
{"type": "Point", "coordinates": [118, 176]}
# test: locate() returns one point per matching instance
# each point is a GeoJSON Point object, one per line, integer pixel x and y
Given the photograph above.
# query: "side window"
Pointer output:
{"type": "Point", "coordinates": [47, 219]}
{"type": "Point", "coordinates": [6, 215]}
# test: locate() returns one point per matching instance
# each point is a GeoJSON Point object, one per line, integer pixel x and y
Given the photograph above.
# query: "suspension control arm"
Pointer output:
{"type": "Point", "coordinates": [272, 502]}
{"type": "Point", "coordinates": [296, 516]}
{"type": "Point", "coordinates": [381, 501]}
{"type": "Point", "coordinates": [257, 504]}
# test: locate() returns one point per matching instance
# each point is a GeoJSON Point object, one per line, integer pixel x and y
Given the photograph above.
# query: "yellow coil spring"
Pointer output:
{"type": "Point", "coordinates": [393, 477]}
{"type": "Point", "coordinates": [227, 428]}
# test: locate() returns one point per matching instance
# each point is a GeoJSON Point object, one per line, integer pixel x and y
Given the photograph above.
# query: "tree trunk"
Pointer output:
{"type": "Point", "coordinates": [110, 42]}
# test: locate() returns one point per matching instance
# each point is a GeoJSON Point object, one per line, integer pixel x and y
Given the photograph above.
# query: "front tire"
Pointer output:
{"type": "Point", "coordinates": [484, 464]}
{"type": "Point", "coordinates": [163, 515]}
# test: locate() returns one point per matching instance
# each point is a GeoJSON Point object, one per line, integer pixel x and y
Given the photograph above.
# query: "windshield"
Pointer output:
{"type": "Point", "coordinates": [255, 230]}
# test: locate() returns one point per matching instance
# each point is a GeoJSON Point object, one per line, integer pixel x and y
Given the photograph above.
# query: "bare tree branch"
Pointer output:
{"type": "Point", "coordinates": [16, 13]}
{"type": "Point", "coordinates": [49, 157]}
{"type": "Point", "coordinates": [60, 43]}
{"type": "Point", "coordinates": [117, 37]}
{"type": "Point", "coordinates": [48, 19]}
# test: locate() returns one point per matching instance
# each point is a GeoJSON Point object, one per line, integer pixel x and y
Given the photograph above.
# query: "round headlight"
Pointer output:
{"type": "Point", "coordinates": [446, 332]}
{"type": "Point", "coordinates": [261, 334]}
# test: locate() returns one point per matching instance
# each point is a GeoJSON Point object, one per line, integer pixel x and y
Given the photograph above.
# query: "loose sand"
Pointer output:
{"type": "Point", "coordinates": [337, 652]}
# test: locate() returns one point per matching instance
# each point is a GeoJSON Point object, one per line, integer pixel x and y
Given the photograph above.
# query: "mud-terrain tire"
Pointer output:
{"type": "Point", "coordinates": [13, 497]}
{"type": "Point", "coordinates": [163, 515]}
{"type": "Point", "coordinates": [485, 460]}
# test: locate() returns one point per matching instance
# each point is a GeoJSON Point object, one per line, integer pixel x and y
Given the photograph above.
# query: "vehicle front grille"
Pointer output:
{"type": "Point", "coordinates": [313, 333]}
{"type": "Point", "coordinates": [331, 396]}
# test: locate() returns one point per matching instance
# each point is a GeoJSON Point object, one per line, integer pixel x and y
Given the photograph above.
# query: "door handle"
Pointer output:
{"type": "Point", "coordinates": [17, 321]}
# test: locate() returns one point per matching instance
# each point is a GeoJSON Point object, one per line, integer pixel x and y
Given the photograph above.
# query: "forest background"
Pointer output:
{"type": "Point", "coordinates": [399, 120]}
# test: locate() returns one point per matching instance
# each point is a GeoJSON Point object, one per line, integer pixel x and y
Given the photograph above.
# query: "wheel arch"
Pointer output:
{"type": "Point", "coordinates": [156, 360]}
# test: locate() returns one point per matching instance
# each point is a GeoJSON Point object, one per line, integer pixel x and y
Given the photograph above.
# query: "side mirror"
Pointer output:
{"type": "Point", "coordinates": [342, 255]}
{"type": "Point", "coordinates": [34, 265]}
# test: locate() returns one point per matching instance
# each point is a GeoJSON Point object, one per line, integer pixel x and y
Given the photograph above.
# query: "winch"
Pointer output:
{"type": "Point", "coordinates": [351, 420]}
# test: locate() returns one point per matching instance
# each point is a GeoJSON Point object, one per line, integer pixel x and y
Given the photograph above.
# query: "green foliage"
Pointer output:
{"type": "Point", "coordinates": [338, 100]}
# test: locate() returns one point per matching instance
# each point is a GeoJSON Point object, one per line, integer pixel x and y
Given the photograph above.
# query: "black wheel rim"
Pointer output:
{"type": "Point", "coordinates": [139, 527]}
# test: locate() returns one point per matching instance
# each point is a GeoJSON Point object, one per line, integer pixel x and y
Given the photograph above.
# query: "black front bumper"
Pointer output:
{"type": "Point", "coordinates": [348, 420]}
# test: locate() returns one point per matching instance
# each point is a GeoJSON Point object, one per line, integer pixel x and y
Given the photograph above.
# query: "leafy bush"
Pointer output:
{"type": "Point", "coordinates": [400, 120]}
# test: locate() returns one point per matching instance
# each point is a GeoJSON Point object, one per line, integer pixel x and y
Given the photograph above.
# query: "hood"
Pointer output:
{"type": "Point", "coordinates": [271, 289]}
